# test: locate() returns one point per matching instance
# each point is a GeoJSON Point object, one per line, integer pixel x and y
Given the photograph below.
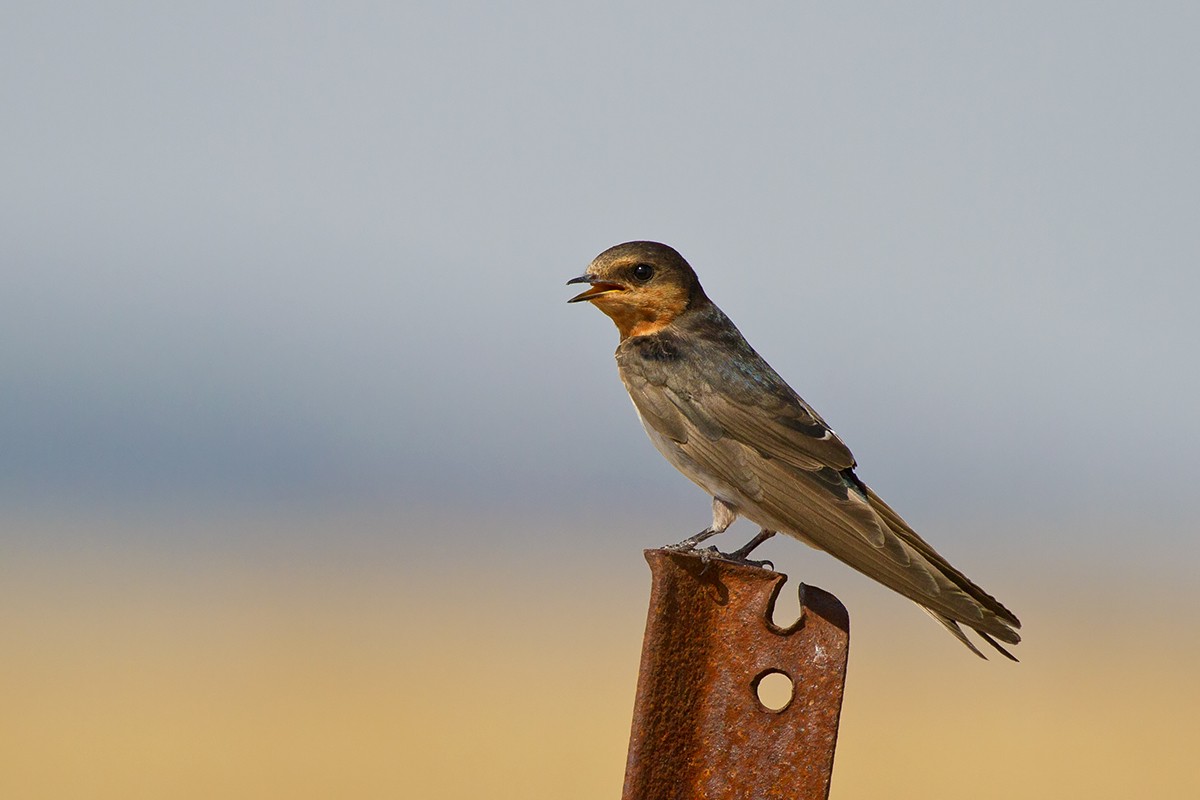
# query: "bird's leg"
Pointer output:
{"type": "Point", "coordinates": [741, 553]}
{"type": "Point", "coordinates": [723, 516]}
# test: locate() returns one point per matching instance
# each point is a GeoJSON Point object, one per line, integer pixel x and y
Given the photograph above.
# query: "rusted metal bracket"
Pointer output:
{"type": "Point", "coordinates": [699, 728]}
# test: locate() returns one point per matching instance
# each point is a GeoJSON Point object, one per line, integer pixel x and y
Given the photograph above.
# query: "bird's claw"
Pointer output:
{"type": "Point", "coordinates": [684, 546]}
{"type": "Point", "coordinates": [741, 556]}
{"type": "Point", "coordinates": [690, 543]}
{"type": "Point", "coordinates": [766, 563]}
{"type": "Point", "coordinates": [709, 554]}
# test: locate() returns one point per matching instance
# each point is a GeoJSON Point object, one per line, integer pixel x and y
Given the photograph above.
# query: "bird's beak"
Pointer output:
{"type": "Point", "coordinates": [598, 288]}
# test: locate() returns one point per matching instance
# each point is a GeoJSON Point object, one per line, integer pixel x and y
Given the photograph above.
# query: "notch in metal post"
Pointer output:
{"type": "Point", "coordinates": [699, 728]}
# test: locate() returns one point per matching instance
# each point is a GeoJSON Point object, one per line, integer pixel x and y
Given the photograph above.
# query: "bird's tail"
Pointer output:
{"type": "Point", "coordinates": [957, 632]}
{"type": "Point", "coordinates": [999, 622]}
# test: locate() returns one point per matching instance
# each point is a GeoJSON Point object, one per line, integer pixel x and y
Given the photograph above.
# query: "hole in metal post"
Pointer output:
{"type": "Point", "coordinates": [774, 690]}
{"type": "Point", "coordinates": [786, 610]}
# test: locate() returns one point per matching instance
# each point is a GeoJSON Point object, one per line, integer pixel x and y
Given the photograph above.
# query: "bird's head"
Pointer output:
{"type": "Point", "coordinates": [642, 286]}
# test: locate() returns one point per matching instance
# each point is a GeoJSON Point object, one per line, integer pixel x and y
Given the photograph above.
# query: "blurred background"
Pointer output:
{"type": "Point", "coordinates": [312, 485]}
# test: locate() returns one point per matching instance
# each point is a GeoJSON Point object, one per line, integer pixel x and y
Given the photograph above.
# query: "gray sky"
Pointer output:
{"type": "Point", "coordinates": [254, 251]}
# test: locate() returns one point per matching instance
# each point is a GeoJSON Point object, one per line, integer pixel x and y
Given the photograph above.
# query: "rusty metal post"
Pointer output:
{"type": "Point", "coordinates": [699, 729]}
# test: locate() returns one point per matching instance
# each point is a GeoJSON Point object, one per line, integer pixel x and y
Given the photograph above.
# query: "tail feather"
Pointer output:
{"type": "Point", "coordinates": [902, 529]}
{"type": "Point", "coordinates": [1005, 623]}
{"type": "Point", "coordinates": [994, 644]}
{"type": "Point", "coordinates": [957, 632]}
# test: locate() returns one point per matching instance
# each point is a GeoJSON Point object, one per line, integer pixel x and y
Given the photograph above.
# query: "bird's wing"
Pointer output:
{"type": "Point", "coordinates": [759, 437]}
{"type": "Point", "coordinates": [730, 393]}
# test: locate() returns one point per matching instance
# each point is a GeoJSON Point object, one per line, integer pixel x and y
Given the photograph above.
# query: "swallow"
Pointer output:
{"type": "Point", "coordinates": [725, 419]}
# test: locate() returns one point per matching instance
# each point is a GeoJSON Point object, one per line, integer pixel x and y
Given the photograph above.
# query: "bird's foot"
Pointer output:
{"type": "Point", "coordinates": [765, 563]}
{"type": "Point", "coordinates": [690, 543]}
{"type": "Point", "coordinates": [741, 554]}
{"type": "Point", "coordinates": [710, 554]}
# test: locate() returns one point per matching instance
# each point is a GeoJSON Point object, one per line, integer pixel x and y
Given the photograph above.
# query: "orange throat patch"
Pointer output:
{"type": "Point", "coordinates": [640, 312]}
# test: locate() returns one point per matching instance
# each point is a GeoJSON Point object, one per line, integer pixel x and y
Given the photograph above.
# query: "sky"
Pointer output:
{"type": "Point", "coordinates": [257, 253]}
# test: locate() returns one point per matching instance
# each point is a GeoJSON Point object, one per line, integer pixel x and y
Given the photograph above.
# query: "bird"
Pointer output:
{"type": "Point", "coordinates": [720, 414]}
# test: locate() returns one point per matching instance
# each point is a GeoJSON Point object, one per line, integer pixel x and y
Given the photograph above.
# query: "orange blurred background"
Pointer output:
{"type": "Point", "coordinates": [378, 669]}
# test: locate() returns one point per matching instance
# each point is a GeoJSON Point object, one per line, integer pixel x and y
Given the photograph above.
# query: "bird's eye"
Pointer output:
{"type": "Point", "coordinates": [643, 272]}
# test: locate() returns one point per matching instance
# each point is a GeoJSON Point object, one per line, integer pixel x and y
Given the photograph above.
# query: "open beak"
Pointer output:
{"type": "Point", "coordinates": [598, 288]}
